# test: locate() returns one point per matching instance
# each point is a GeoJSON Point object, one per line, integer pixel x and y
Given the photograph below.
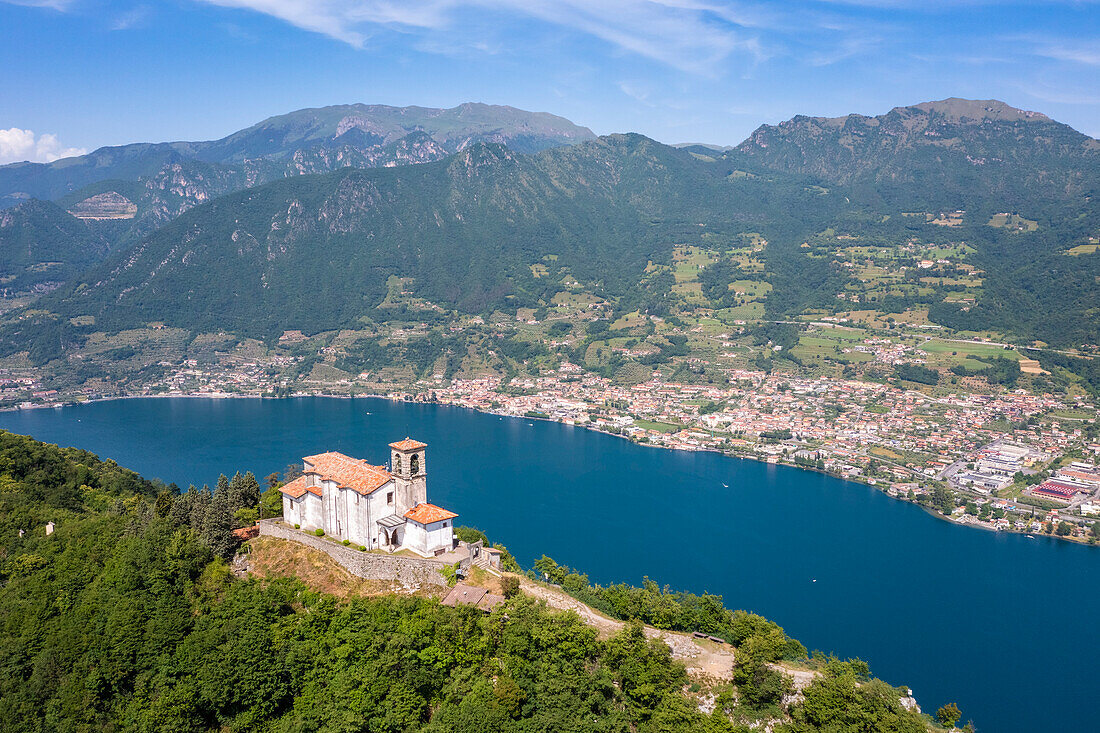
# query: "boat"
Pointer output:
{"type": "Point", "coordinates": [726, 485]}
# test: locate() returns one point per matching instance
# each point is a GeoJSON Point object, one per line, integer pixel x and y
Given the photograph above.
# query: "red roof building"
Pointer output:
{"type": "Point", "coordinates": [1056, 490]}
{"type": "Point", "coordinates": [376, 507]}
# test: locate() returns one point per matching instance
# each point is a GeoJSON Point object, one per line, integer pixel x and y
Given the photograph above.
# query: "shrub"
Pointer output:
{"type": "Point", "coordinates": [319, 532]}
{"type": "Point", "coordinates": [450, 574]}
{"type": "Point", "coordinates": [297, 526]}
{"type": "Point", "coordinates": [509, 586]}
{"type": "Point", "coordinates": [362, 548]}
{"type": "Point", "coordinates": [347, 542]}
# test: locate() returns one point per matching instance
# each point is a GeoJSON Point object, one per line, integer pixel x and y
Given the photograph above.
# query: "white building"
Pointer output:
{"type": "Point", "coordinates": [369, 505]}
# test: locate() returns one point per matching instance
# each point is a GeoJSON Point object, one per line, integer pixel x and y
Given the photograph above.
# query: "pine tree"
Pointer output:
{"type": "Point", "coordinates": [218, 525]}
{"type": "Point", "coordinates": [250, 489]}
{"type": "Point", "coordinates": [235, 490]}
{"type": "Point", "coordinates": [182, 506]}
{"type": "Point", "coordinates": [199, 506]}
{"type": "Point", "coordinates": [244, 491]}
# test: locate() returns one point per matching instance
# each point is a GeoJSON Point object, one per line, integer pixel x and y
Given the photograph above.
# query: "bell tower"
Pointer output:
{"type": "Point", "coordinates": [409, 473]}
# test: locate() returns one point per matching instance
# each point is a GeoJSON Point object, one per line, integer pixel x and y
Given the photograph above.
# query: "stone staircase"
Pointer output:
{"type": "Point", "coordinates": [482, 561]}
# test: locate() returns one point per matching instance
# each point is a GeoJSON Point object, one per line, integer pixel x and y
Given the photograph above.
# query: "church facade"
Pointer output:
{"type": "Point", "coordinates": [372, 506]}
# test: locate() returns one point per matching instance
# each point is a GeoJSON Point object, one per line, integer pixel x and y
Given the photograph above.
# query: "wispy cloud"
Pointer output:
{"type": "Point", "coordinates": [53, 4]}
{"type": "Point", "coordinates": [685, 34]}
{"type": "Point", "coordinates": [636, 92]}
{"type": "Point", "coordinates": [18, 145]}
{"type": "Point", "coordinates": [1078, 53]}
{"type": "Point", "coordinates": [133, 18]}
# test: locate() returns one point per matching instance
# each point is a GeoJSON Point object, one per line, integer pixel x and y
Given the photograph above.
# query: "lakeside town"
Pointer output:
{"type": "Point", "coordinates": [1009, 461]}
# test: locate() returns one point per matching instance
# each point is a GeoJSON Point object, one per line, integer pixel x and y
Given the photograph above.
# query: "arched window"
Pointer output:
{"type": "Point", "coordinates": [397, 463]}
{"type": "Point", "coordinates": [414, 464]}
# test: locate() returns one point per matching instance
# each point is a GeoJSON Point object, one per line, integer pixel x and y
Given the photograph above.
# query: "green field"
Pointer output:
{"type": "Point", "coordinates": [747, 312]}
{"type": "Point", "coordinates": [985, 351]}
{"type": "Point", "coordinates": [1072, 414]}
{"type": "Point", "coordinates": [1083, 249]}
{"type": "Point", "coordinates": [819, 346]}
{"type": "Point", "coordinates": [660, 427]}
{"type": "Point", "coordinates": [1013, 222]}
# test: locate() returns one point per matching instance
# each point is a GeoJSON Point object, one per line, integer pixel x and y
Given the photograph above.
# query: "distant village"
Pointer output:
{"type": "Point", "coordinates": [1003, 472]}
{"type": "Point", "coordinates": [900, 441]}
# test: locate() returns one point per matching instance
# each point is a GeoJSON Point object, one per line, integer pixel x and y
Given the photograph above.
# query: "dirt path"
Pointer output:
{"type": "Point", "coordinates": [701, 657]}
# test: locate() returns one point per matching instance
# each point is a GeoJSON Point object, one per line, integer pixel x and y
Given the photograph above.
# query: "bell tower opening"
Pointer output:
{"type": "Point", "coordinates": [409, 473]}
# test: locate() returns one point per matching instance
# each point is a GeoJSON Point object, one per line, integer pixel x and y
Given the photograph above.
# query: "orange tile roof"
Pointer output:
{"type": "Point", "coordinates": [298, 487]}
{"type": "Point", "coordinates": [428, 513]}
{"type": "Point", "coordinates": [347, 472]}
{"type": "Point", "coordinates": [408, 444]}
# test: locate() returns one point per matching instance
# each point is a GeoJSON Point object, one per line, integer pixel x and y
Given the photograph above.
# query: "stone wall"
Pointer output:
{"type": "Point", "coordinates": [409, 571]}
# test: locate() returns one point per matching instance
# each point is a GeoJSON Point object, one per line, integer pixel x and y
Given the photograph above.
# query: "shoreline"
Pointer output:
{"type": "Point", "coordinates": [397, 397]}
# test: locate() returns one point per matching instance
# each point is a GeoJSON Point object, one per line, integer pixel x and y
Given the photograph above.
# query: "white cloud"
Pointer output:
{"type": "Point", "coordinates": [133, 18]}
{"type": "Point", "coordinates": [54, 4]}
{"type": "Point", "coordinates": [18, 145]}
{"type": "Point", "coordinates": [689, 35]}
{"type": "Point", "coordinates": [1088, 54]}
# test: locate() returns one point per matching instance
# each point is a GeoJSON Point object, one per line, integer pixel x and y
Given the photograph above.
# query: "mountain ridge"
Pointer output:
{"type": "Point", "coordinates": [954, 152]}
{"type": "Point", "coordinates": [489, 228]}
{"type": "Point", "coordinates": [466, 230]}
{"type": "Point", "coordinates": [281, 136]}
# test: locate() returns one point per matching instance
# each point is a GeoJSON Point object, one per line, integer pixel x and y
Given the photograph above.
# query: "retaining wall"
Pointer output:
{"type": "Point", "coordinates": [409, 571]}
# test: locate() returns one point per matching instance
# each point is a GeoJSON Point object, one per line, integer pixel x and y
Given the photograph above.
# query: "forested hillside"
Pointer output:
{"type": "Point", "coordinates": [969, 216]}
{"type": "Point", "coordinates": [42, 246]}
{"type": "Point", "coordinates": [318, 251]}
{"type": "Point", "coordinates": [127, 618]}
{"type": "Point", "coordinates": [950, 154]}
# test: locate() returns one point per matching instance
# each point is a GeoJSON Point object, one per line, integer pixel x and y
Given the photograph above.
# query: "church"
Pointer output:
{"type": "Point", "coordinates": [371, 506]}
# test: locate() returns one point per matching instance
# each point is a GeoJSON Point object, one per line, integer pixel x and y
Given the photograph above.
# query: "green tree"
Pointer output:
{"type": "Point", "coordinates": [244, 491]}
{"type": "Point", "coordinates": [271, 504]}
{"type": "Point", "coordinates": [199, 507]}
{"type": "Point", "coordinates": [550, 570]}
{"type": "Point", "coordinates": [943, 499]}
{"type": "Point", "coordinates": [948, 715]}
{"type": "Point", "coordinates": [164, 503]}
{"type": "Point", "coordinates": [217, 528]}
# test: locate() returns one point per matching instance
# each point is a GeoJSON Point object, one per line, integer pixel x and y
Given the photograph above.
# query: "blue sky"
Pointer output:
{"type": "Point", "coordinates": [78, 74]}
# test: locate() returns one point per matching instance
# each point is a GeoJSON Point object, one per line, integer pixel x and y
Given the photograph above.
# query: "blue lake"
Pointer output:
{"type": "Point", "coordinates": [1003, 625]}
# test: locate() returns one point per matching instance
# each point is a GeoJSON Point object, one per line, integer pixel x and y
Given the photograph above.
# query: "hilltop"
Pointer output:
{"type": "Point", "coordinates": [132, 609]}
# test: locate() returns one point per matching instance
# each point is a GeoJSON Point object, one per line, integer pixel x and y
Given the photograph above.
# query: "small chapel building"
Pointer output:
{"type": "Point", "coordinates": [372, 506]}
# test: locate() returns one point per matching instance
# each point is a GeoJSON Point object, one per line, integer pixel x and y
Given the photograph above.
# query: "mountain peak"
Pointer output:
{"type": "Point", "coordinates": [956, 109]}
{"type": "Point", "coordinates": [960, 144]}
{"type": "Point", "coordinates": [379, 124]}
